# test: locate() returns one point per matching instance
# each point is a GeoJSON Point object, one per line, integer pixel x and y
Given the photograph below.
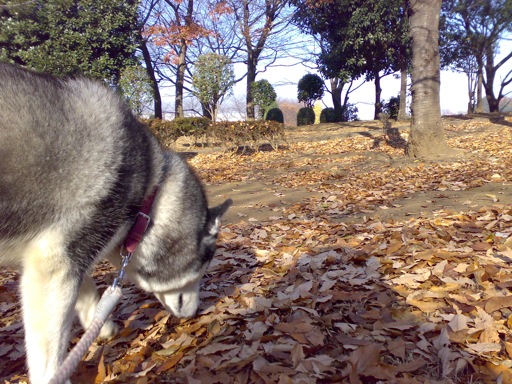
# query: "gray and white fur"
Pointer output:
{"type": "Point", "coordinates": [75, 166]}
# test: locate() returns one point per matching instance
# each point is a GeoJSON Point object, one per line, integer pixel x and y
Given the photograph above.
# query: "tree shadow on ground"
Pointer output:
{"type": "Point", "coordinates": [390, 136]}
{"type": "Point", "coordinates": [251, 150]}
{"type": "Point", "coordinates": [500, 120]}
{"type": "Point", "coordinates": [495, 118]}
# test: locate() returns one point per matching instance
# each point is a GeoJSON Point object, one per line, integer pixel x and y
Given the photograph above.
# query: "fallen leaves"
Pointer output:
{"type": "Point", "coordinates": [328, 289]}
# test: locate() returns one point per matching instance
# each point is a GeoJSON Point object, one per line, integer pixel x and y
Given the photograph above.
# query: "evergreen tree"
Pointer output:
{"type": "Point", "coordinates": [64, 37]}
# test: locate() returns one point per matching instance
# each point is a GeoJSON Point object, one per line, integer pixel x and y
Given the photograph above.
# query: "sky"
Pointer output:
{"type": "Point", "coordinates": [453, 93]}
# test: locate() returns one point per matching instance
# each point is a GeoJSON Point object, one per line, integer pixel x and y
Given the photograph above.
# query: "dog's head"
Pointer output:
{"type": "Point", "coordinates": [177, 252]}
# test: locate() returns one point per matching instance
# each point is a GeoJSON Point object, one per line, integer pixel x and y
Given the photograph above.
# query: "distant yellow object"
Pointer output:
{"type": "Point", "coordinates": [318, 110]}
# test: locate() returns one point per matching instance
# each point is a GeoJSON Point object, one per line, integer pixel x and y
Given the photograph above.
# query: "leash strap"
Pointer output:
{"type": "Point", "coordinates": [108, 301]}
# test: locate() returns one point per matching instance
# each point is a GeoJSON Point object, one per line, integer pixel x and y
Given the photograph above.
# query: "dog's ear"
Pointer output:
{"type": "Point", "coordinates": [214, 216]}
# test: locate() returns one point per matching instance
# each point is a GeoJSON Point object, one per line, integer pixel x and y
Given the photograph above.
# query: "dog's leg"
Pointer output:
{"type": "Point", "coordinates": [88, 299]}
{"type": "Point", "coordinates": [49, 287]}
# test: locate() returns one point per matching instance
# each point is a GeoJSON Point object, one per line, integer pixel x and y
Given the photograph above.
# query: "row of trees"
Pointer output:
{"type": "Point", "coordinates": [101, 37]}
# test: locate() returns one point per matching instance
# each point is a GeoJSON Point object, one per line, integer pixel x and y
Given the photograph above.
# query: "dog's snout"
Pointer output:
{"type": "Point", "coordinates": [181, 305]}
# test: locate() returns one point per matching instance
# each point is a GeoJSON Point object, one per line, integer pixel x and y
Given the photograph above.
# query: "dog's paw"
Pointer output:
{"type": "Point", "coordinates": [109, 330]}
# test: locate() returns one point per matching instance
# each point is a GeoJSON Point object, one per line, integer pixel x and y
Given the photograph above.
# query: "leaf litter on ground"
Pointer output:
{"type": "Point", "coordinates": [308, 297]}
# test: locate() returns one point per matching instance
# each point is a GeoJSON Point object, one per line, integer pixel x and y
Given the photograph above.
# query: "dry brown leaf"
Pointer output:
{"type": "Point", "coordinates": [497, 303]}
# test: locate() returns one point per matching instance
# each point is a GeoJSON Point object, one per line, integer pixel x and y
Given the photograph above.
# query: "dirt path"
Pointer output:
{"type": "Point", "coordinates": [255, 200]}
{"type": "Point", "coordinates": [259, 202]}
{"type": "Point", "coordinates": [264, 198]}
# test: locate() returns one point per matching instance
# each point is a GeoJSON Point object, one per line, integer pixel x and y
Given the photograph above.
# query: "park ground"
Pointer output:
{"type": "Point", "coordinates": [341, 260]}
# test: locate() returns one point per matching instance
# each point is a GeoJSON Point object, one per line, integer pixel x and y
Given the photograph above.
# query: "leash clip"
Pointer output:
{"type": "Point", "coordinates": [118, 281]}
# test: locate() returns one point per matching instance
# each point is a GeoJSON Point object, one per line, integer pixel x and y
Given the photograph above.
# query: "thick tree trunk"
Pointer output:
{"type": "Point", "coordinates": [157, 99]}
{"type": "Point", "coordinates": [427, 138]}
{"type": "Point", "coordinates": [378, 93]}
{"type": "Point", "coordinates": [206, 112]}
{"type": "Point", "coordinates": [402, 112]}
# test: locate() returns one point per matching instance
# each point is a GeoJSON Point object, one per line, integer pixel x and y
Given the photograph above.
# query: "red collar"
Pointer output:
{"type": "Point", "coordinates": [135, 235]}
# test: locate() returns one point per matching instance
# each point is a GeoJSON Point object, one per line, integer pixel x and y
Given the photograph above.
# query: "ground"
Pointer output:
{"type": "Point", "coordinates": [341, 261]}
{"type": "Point", "coordinates": [260, 196]}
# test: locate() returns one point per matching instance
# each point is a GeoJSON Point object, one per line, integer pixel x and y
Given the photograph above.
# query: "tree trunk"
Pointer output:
{"type": "Point", "coordinates": [180, 81]}
{"type": "Point", "coordinates": [402, 112]}
{"type": "Point", "coordinates": [470, 104]}
{"type": "Point", "coordinates": [336, 90]}
{"type": "Point", "coordinates": [206, 111]}
{"type": "Point", "coordinates": [251, 78]}
{"type": "Point", "coordinates": [479, 104]}
{"type": "Point", "coordinates": [378, 92]}
{"type": "Point", "coordinates": [427, 138]}
{"type": "Point", "coordinates": [490, 74]}
{"type": "Point", "coordinates": [182, 65]}
{"type": "Point", "coordinates": [157, 99]}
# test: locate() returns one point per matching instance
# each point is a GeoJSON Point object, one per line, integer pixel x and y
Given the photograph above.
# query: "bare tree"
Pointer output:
{"type": "Point", "coordinates": [171, 30]}
{"type": "Point", "coordinates": [246, 31]}
{"type": "Point", "coordinates": [262, 24]}
{"type": "Point", "coordinates": [233, 108]}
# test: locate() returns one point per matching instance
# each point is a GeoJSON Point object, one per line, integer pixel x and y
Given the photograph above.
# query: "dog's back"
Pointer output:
{"type": "Point", "coordinates": [66, 146]}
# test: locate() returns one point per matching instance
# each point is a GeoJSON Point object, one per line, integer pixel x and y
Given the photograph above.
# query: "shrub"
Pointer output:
{"type": "Point", "coordinates": [163, 130]}
{"type": "Point", "coordinates": [168, 131]}
{"type": "Point", "coordinates": [328, 115]}
{"type": "Point", "coordinates": [305, 116]}
{"type": "Point", "coordinates": [349, 113]}
{"type": "Point", "coordinates": [239, 133]}
{"type": "Point", "coordinates": [275, 114]}
{"type": "Point", "coordinates": [272, 105]}
{"type": "Point", "coordinates": [263, 95]}
{"type": "Point", "coordinates": [191, 126]}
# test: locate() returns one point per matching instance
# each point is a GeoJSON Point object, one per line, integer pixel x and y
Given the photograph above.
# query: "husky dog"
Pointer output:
{"type": "Point", "coordinates": [75, 166]}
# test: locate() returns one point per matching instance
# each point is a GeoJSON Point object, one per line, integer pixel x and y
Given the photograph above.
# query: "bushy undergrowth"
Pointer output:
{"type": "Point", "coordinates": [228, 134]}
{"type": "Point", "coordinates": [233, 134]}
{"type": "Point", "coordinates": [192, 126]}
{"type": "Point", "coordinates": [392, 107]}
{"type": "Point", "coordinates": [168, 131]}
{"type": "Point", "coordinates": [328, 115]}
{"type": "Point", "coordinates": [163, 130]}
